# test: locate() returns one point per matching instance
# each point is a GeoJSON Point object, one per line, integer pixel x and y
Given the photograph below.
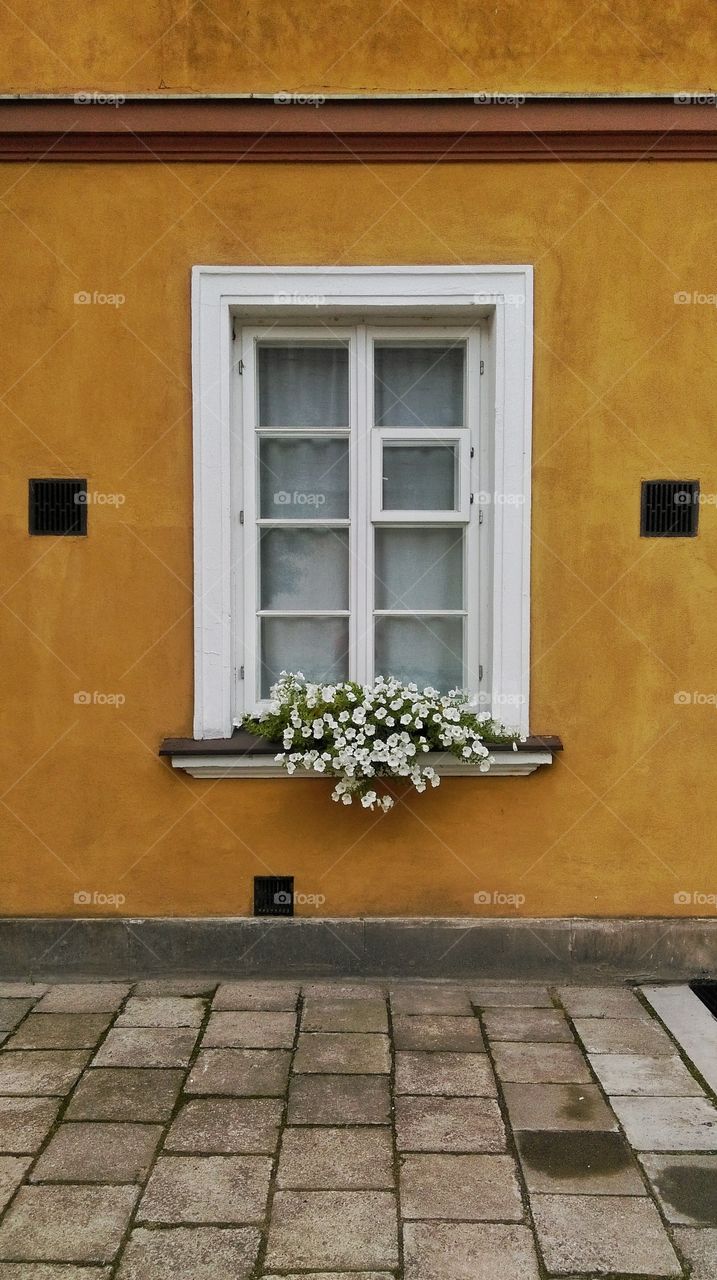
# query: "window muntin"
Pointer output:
{"type": "Point", "coordinates": [360, 555]}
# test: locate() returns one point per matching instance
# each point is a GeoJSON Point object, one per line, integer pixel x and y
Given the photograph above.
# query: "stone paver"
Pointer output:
{"type": "Point", "coordinates": [162, 1011]}
{"type": "Point", "coordinates": [194, 1096]}
{"type": "Point", "coordinates": [452, 1074]}
{"type": "Point", "coordinates": [125, 1093]}
{"type": "Point", "coordinates": [66, 1223]}
{"type": "Point", "coordinates": [340, 1159]}
{"type": "Point", "coordinates": [146, 1047]}
{"type": "Point", "coordinates": [221, 1189]}
{"type": "Point", "coordinates": [319, 1230]}
{"type": "Point", "coordinates": [578, 1162]}
{"type": "Point", "coordinates": [345, 1015]}
{"type": "Point", "coordinates": [355, 1054]}
{"type": "Point", "coordinates": [449, 1124]}
{"type": "Point", "coordinates": [250, 1031]}
{"type": "Point", "coordinates": [469, 1188]}
{"type": "Point", "coordinates": [595, 1233]}
{"type": "Point", "coordinates": [83, 997]}
{"type": "Point", "coordinates": [37, 1072]}
{"type": "Point", "coordinates": [433, 1031]}
{"type": "Point", "coordinates": [60, 1031]}
{"type": "Point", "coordinates": [623, 1035]}
{"type": "Point", "coordinates": [98, 1152]}
{"type": "Point", "coordinates": [197, 1253]}
{"type": "Point", "coordinates": [240, 1072]}
{"type": "Point", "coordinates": [630, 1073]}
{"type": "Point", "coordinates": [334, 1100]}
{"type": "Point", "coordinates": [668, 1124]}
{"type": "Point", "coordinates": [227, 1126]}
{"type": "Point", "coordinates": [540, 1063]}
{"type": "Point", "coordinates": [526, 1024]}
{"type": "Point", "coordinates": [686, 1187]}
{"type": "Point", "coordinates": [557, 1106]}
{"type": "Point", "coordinates": [451, 1250]}
{"type": "Point", "coordinates": [25, 1123]}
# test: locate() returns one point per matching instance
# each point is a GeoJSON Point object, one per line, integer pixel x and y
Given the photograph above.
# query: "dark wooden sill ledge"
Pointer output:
{"type": "Point", "coordinates": [243, 743]}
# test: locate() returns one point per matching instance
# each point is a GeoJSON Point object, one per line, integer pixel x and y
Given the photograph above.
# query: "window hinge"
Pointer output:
{"type": "Point", "coordinates": [241, 517]}
{"type": "Point", "coordinates": [473, 452]}
{"type": "Point", "coordinates": [240, 366]}
{"type": "Point", "coordinates": [480, 517]}
{"type": "Point", "coordinates": [482, 366]}
{"type": "Point", "coordinates": [472, 497]}
{"type": "Point", "coordinates": [480, 671]}
{"type": "Point", "coordinates": [241, 673]}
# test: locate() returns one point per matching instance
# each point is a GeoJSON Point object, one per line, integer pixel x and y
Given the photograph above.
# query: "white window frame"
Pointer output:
{"type": "Point", "coordinates": [499, 298]}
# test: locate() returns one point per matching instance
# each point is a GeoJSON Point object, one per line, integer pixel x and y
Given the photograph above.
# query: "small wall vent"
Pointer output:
{"type": "Point", "coordinates": [58, 508]}
{"type": "Point", "coordinates": [669, 508]}
{"type": "Point", "coordinates": [273, 895]}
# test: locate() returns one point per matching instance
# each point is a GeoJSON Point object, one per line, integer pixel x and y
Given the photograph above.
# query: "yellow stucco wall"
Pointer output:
{"type": "Point", "coordinates": [625, 388]}
{"type": "Point", "coordinates": [262, 46]}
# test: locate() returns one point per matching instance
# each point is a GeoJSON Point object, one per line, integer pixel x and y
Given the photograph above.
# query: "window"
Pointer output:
{"type": "Point", "coordinates": [362, 473]}
{"type": "Point", "coordinates": [360, 552]}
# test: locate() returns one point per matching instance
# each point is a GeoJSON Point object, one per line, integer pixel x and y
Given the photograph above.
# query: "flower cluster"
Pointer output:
{"type": "Point", "coordinates": [361, 733]}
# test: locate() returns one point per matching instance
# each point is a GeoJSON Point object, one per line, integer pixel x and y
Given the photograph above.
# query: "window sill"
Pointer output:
{"type": "Point", "coordinates": [244, 756]}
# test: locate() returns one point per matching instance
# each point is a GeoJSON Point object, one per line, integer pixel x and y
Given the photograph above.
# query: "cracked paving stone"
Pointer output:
{"type": "Point", "coordinates": [686, 1187]}
{"type": "Point", "coordinates": [25, 1123]}
{"type": "Point", "coordinates": [640, 1075]}
{"type": "Point", "coordinates": [322, 1052]}
{"type": "Point", "coordinates": [268, 996]}
{"type": "Point", "coordinates": [125, 1093]}
{"type": "Point", "coordinates": [66, 1223]}
{"type": "Point", "coordinates": [83, 997]}
{"type": "Point", "coordinates": [602, 1002]}
{"type": "Point", "coordinates": [466, 1188]}
{"type": "Point", "coordinates": [452, 1074]}
{"type": "Point", "coordinates": [336, 1159]}
{"type": "Point", "coordinates": [431, 999]}
{"type": "Point", "coordinates": [700, 1250]}
{"type": "Point", "coordinates": [532, 1025]}
{"type": "Point", "coordinates": [578, 1163]}
{"type": "Point", "coordinates": [449, 1124]}
{"type": "Point", "coordinates": [255, 1030]}
{"type": "Point", "coordinates": [146, 1047]}
{"type": "Point", "coordinates": [338, 1100]}
{"type": "Point", "coordinates": [207, 1189]}
{"type": "Point", "coordinates": [12, 1011]}
{"type": "Point", "coordinates": [504, 995]}
{"type": "Point", "coordinates": [557, 1106]}
{"type": "Point", "coordinates": [345, 1015]}
{"type": "Point", "coordinates": [98, 1152]}
{"type": "Point", "coordinates": [240, 1072]}
{"type": "Point", "coordinates": [194, 1253]}
{"type": "Point", "coordinates": [623, 1035]}
{"type": "Point", "coordinates": [33, 1071]}
{"type": "Point", "coordinates": [449, 1250]}
{"type": "Point", "coordinates": [431, 1031]}
{"type": "Point", "coordinates": [540, 1063]}
{"type": "Point", "coordinates": [60, 1031]}
{"type": "Point", "coordinates": [603, 1233]}
{"type": "Point", "coordinates": [161, 1011]}
{"type": "Point", "coordinates": [227, 1126]}
{"type": "Point", "coordinates": [668, 1124]}
{"type": "Point", "coordinates": [321, 1230]}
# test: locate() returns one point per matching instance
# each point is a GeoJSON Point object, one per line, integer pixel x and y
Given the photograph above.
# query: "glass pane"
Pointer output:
{"type": "Point", "coordinates": [304, 569]}
{"type": "Point", "coordinates": [428, 651]}
{"type": "Point", "coordinates": [420, 477]}
{"type": "Point", "coordinates": [418, 386]}
{"type": "Point", "coordinates": [303, 386]}
{"type": "Point", "coordinates": [303, 479]}
{"type": "Point", "coordinates": [419, 568]}
{"type": "Point", "coordinates": [317, 646]}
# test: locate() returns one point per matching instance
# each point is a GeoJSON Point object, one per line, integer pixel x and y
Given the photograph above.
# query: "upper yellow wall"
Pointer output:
{"type": "Point", "coordinates": [366, 46]}
{"type": "Point", "coordinates": [625, 388]}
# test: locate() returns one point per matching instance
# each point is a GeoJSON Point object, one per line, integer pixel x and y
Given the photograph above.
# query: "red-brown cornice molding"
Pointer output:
{"type": "Point", "coordinates": [341, 130]}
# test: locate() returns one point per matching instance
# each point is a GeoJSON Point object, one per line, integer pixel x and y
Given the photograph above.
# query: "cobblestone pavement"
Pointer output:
{"type": "Point", "coordinates": [431, 1131]}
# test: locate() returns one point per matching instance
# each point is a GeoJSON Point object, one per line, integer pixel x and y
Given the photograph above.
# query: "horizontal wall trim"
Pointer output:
{"type": "Point", "coordinates": [110, 128]}
{"type": "Point", "coordinates": [563, 949]}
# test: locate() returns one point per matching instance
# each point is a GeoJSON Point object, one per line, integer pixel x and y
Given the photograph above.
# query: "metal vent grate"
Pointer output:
{"type": "Point", "coordinates": [669, 508]}
{"type": "Point", "coordinates": [273, 895]}
{"type": "Point", "coordinates": [58, 508]}
{"type": "Point", "coordinates": [707, 993]}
